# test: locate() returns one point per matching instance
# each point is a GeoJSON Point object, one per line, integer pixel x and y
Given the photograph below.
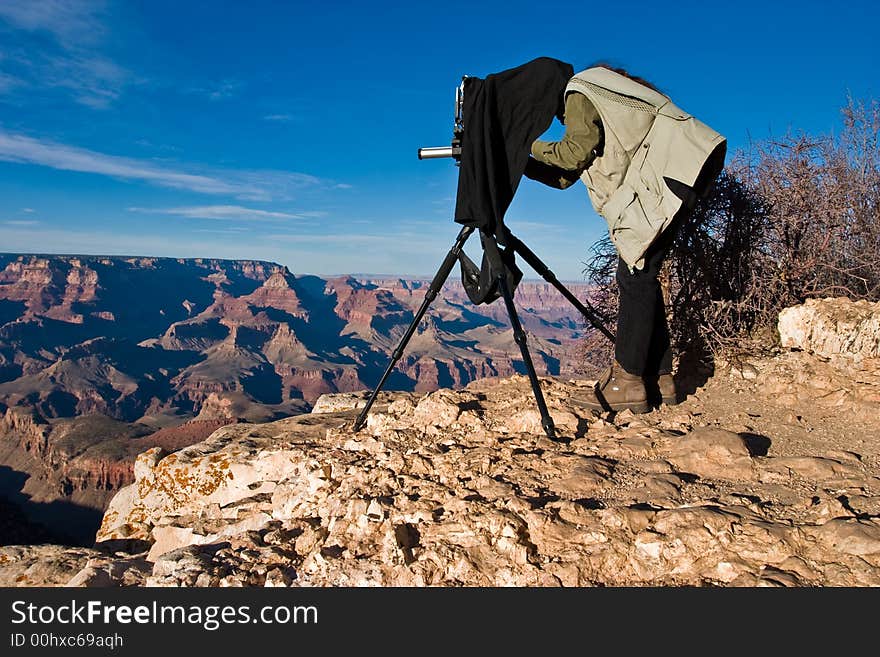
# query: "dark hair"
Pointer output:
{"type": "Point", "coordinates": [626, 74]}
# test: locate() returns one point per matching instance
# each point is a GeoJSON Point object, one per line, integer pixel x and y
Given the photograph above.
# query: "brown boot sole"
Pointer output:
{"type": "Point", "coordinates": [635, 407]}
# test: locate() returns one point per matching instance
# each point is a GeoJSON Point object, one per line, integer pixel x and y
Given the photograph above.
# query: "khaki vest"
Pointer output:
{"type": "Point", "coordinates": [647, 139]}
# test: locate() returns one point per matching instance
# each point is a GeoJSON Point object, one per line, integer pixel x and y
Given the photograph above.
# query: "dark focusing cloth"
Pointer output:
{"type": "Point", "coordinates": [503, 114]}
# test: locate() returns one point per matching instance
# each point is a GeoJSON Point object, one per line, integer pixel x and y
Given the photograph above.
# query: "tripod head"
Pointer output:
{"type": "Point", "coordinates": [454, 149]}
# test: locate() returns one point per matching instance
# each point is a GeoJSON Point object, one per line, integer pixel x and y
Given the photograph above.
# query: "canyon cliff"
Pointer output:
{"type": "Point", "coordinates": [104, 357]}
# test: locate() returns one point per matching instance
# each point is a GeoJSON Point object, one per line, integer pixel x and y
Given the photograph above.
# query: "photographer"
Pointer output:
{"type": "Point", "coordinates": [644, 163]}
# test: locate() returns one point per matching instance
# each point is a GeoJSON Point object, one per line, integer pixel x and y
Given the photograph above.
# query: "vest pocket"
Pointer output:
{"type": "Point", "coordinates": [615, 206]}
{"type": "Point", "coordinates": [651, 184]}
{"type": "Point", "coordinates": [631, 231]}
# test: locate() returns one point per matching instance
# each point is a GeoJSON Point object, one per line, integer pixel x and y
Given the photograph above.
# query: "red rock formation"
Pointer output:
{"type": "Point", "coordinates": [154, 342]}
{"type": "Point", "coordinates": [276, 292]}
{"type": "Point", "coordinates": [24, 426]}
{"type": "Point", "coordinates": [173, 438]}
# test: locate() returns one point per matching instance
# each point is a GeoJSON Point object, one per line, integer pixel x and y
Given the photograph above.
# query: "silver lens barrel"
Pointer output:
{"type": "Point", "coordinates": [434, 152]}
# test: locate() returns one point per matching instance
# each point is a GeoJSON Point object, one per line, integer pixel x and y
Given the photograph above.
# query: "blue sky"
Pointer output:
{"type": "Point", "coordinates": [288, 131]}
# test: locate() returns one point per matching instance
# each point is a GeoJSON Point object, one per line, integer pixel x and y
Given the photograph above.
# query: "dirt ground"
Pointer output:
{"type": "Point", "coordinates": [801, 403]}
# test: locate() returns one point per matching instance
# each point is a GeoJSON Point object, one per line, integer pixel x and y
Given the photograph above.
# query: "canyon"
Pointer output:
{"type": "Point", "coordinates": [104, 357]}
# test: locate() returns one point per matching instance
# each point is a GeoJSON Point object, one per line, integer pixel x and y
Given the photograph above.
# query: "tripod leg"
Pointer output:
{"type": "Point", "coordinates": [437, 283]}
{"type": "Point", "coordinates": [535, 263]}
{"type": "Point", "coordinates": [520, 337]}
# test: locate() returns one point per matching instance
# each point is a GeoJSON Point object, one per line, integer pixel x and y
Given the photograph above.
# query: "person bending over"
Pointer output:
{"type": "Point", "coordinates": [644, 163]}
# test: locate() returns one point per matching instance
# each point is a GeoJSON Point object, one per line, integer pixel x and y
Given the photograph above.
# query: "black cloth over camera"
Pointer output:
{"type": "Point", "coordinates": [503, 114]}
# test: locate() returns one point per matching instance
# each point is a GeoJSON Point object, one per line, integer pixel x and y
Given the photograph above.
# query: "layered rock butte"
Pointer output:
{"type": "Point", "coordinates": [104, 357]}
{"type": "Point", "coordinates": [768, 474]}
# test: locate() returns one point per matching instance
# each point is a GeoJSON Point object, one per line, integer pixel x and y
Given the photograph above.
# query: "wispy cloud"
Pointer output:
{"type": "Point", "coordinates": [352, 239]}
{"type": "Point", "coordinates": [146, 143]}
{"type": "Point", "coordinates": [219, 90]}
{"type": "Point", "coordinates": [545, 227]}
{"type": "Point", "coordinates": [28, 210]}
{"type": "Point", "coordinates": [277, 185]}
{"type": "Point", "coordinates": [70, 21]}
{"type": "Point", "coordinates": [18, 148]}
{"type": "Point", "coordinates": [220, 212]}
{"type": "Point", "coordinates": [281, 118]}
{"type": "Point", "coordinates": [8, 82]}
{"type": "Point", "coordinates": [224, 231]}
{"type": "Point", "coordinates": [69, 59]}
{"type": "Point", "coordinates": [247, 185]}
{"type": "Point", "coordinates": [21, 222]}
{"type": "Point", "coordinates": [92, 80]}
{"type": "Point", "coordinates": [226, 89]}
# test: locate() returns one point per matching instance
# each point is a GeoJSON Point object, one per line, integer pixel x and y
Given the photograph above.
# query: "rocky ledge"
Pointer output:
{"type": "Point", "coordinates": [768, 474]}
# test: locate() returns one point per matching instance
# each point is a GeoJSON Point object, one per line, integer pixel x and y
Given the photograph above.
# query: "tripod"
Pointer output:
{"type": "Point", "coordinates": [519, 335]}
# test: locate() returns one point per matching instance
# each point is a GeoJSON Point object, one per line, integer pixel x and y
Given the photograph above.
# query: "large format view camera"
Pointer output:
{"type": "Point", "coordinates": [454, 149]}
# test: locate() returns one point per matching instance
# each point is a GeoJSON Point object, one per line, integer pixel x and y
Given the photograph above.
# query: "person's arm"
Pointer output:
{"type": "Point", "coordinates": [583, 134]}
{"type": "Point", "coordinates": [550, 175]}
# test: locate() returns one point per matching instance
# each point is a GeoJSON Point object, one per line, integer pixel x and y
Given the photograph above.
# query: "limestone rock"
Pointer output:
{"type": "Point", "coordinates": [713, 452]}
{"type": "Point", "coordinates": [105, 571]}
{"type": "Point", "coordinates": [462, 488]}
{"type": "Point", "coordinates": [832, 326]}
{"type": "Point", "coordinates": [55, 565]}
{"type": "Point", "coordinates": [40, 565]}
{"type": "Point", "coordinates": [340, 401]}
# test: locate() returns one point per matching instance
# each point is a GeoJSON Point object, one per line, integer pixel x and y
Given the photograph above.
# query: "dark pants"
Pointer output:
{"type": "Point", "coordinates": [642, 345]}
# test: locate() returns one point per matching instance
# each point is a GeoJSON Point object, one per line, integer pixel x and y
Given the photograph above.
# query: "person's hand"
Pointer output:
{"type": "Point", "coordinates": [549, 175]}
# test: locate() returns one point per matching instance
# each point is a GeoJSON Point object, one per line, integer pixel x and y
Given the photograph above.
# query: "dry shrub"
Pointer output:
{"type": "Point", "coordinates": [789, 219]}
{"type": "Point", "coordinates": [595, 352]}
{"type": "Point", "coordinates": [824, 195]}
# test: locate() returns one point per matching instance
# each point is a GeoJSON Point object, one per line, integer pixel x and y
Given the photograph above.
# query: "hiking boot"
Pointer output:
{"type": "Point", "coordinates": [661, 390]}
{"type": "Point", "coordinates": [616, 390]}
{"type": "Point", "coordinates": [668, 393]}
